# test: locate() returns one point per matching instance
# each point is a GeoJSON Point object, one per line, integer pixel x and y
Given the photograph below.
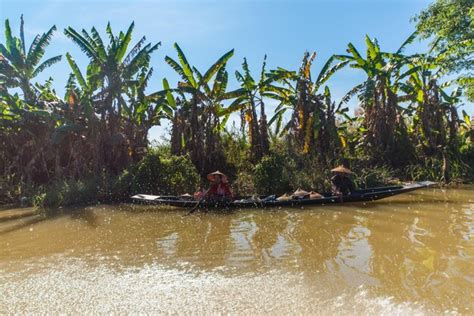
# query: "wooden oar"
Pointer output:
{"type": "Point", "coordinates": [198, 203]}
{"type": "Point", "coordinates": [195, 207]}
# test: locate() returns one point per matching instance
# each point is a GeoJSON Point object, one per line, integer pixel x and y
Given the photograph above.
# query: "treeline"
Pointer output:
{"type": "Point", "coordinates": [94, 138]}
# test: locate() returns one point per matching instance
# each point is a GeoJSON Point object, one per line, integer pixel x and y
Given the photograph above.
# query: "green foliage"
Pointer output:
{"type": "Point", "coordinates": [116, 188]}
{"type": "Point", "coordinates": [157, 174]}
{"type": "Point", "coordinates": [147, 177]}
{"type": "Point", "coordinates": [180, 175]}
{"type": "Point", "coordinates": [244, 184]}
{"type": "Point", "coordinates": [66, 193]}
{"type": "Point", "coordinates": [367, 177]}
{"type": "Point", "coordinates": [450, 25]}
{"type": "Point", "coordinates": [270, 175]}
{"type": "Point", "coordinates": [236, 150]}
{"type": "Point", "coordinates": [92, 145]}
{"type": "Point", "coordinates": [18, 66]}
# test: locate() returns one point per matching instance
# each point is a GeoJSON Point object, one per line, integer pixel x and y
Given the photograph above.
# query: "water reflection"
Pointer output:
{"type": "Point", "coordinates": [413, 248]}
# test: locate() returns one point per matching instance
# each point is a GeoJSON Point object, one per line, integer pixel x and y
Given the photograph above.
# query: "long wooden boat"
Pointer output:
{"type": "Point", "coordinates": [365, 195]}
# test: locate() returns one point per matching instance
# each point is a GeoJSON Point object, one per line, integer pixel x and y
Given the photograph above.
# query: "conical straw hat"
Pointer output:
{"type": "Point", "coordinates": [315, 195]}
{"type": "Point", "coordinates": [212, 176]}
{"type": "Point", "coordinates": [341, 169]}
{"type": "Point", "coordinates": [284, 197]}
{"type": "Point", "coordinates": [300, 193]}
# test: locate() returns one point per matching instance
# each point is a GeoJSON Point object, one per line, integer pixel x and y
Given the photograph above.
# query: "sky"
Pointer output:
{"type": "Point", "coordinates": [205, 30]}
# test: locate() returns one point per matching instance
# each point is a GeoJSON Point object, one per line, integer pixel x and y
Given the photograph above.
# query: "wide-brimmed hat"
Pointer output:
{"type": "Point", "coordinates": [186, 196]}
{"type": "Point", "coordinates": [212, 176]}
{"type": "Point", "coordinates": [284, 197]}
{"type": "Point", "coordinates": [300, 193]}
{"type": "Point", "coordinates": [315, 195]}
{"type": "Point", "coordinates": [341, 169]}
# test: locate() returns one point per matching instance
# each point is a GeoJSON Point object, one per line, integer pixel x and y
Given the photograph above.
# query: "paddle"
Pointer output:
{"type": "Point", "coordinates": [195, 207]}
{"type": "Point", "coordinates": [198, 203]}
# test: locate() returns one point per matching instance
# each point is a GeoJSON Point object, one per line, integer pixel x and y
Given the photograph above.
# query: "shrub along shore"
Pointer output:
{"type": "Point", "coordinates": [91, 145]}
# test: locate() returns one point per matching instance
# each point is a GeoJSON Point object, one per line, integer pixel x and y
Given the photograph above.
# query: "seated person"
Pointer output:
{"type": "Point", "coordinates": [199, 194]}
{"type": "Point", "coordinates": [220, 189]}
{"type": "Point", "coordinates": [341, 183]}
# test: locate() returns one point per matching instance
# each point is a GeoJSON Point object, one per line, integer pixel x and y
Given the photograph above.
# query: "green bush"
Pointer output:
{"type": "Point", "coordinates": [164, 175]}
{"type": "Point", "coordinates": [244, 184]}
{"type": "Point", "coordinates": [271, 175]}
{"type": "Point", "coordinates": [121, 186]}
{"type": "Point", "coordinates": [467, 157]}
{"type": "Point", "coordinates": [310, 179]}
{"type": "Point", "coordinates": [67, 192]}
{"type": "Point", "coordinates": [459, 169]}
{"type": "Point", "coordinates": [147, 177]}
{"type": "Point", "coordinates": [369, 177]}
{"type": "Point", "coordinates": [155, 174]}
{"type": "Point", "coordinates": [180, 175]}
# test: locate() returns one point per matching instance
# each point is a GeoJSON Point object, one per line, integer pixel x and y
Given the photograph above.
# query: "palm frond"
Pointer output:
{"type": "Point", "coordinates": [407, 42]}
{"type": "Point", "coordinates": [22, 35]}
{"type": "Point", "coordinates": [221, 62]}
{"type": "Point", "coordinates": [8, 36]}
{"type": "Point", "coordinates": [141, 59]}
{"type": "Point", "coordinates": [351, 93]}
{"type": "Point", "coordinates": [356, 55]}
{"type": "Point", "coordinates": [134, 51]}
{"type": "Point", "coordinates": [234, 94]}
{"type": "Point", "coordinates": [185, 66]}
{"type": "Point", "coordinates": [99, 44]}
{"type": "Point", "coordinates": [123, 45]}
{"type": "Point", "coordinates": [83, 44]}
{"type": "Point", "coordinates": [278, 113]}
{"type": "Point", "coordinates": [371, 49]}
{"type": "Point", "coordinates": [235, 106]}
{"type": "Point", "coordinates": [14, 54]}
{"type": "Point", "coordinates": [263, 72]}
{"type": "Point", "coordinates": [169, 94]}
{"type": "Point", "coordinates": [37, 51]}
{"type": "Point", "coordinates": [109, 32]}
{"type": "Point", "coordinates": [47, 63]}
{"type": "Point", "coordinates": [326, 73]}
{"type": "Point", "coordinates": [176, 68]}
{"type": "Point", "coordinates": [220, 83]}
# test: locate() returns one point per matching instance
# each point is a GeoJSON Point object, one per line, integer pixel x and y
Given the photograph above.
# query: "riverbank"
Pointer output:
{"type": "Point", "coordinates": [160, 173]}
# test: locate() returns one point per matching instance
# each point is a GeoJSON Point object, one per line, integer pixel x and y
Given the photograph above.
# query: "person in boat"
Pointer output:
{"type": "Point", "coordinates": [220, 189]}
{"type": "Point", "coordinates": [199, 194]}
{"type": "Point", "coordinates": [341, 182]}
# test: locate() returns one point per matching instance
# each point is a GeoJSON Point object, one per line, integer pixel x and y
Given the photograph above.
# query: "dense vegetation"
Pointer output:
{"type": "Point", "coordinates": [91, 144]}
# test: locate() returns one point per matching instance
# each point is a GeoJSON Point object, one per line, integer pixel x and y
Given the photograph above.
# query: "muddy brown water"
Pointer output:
{"type": "Point", "coordinates": [410, 254]}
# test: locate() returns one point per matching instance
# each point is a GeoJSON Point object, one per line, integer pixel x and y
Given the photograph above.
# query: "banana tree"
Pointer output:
{"type": "Point", "coordinates": [112, 68]}
{"type": "Point", "coordinates": [19, 67]}
{"type": "Point", "coordinates": [435, 119]}
{"type": "Point", "coordinates": [143, 112]}
{"type": "Point", "coordinates": [114, 71]}
{"type": "Point", "coordinates": [248, 98]}
{"type": "Point", "coordinates": [313, 119]}
{"type": "Point", "coordinates": [467, 129]}
{"type": "Point", "coordinates": [25, 131]}
{"type": "Point", "coordinates": [377, 95]}
{"type": "Point", "coordinates": [199, 106]}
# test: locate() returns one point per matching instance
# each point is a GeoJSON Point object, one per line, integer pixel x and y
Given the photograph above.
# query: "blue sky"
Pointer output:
{"type": "Point", "coordinates": [205, 30]}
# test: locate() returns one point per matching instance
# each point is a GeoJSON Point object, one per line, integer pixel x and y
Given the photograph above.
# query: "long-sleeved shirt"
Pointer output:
{"type": "Point", "coordinates": [219, 190]}
{"type": "Point", "coordinates": [342, 184]}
